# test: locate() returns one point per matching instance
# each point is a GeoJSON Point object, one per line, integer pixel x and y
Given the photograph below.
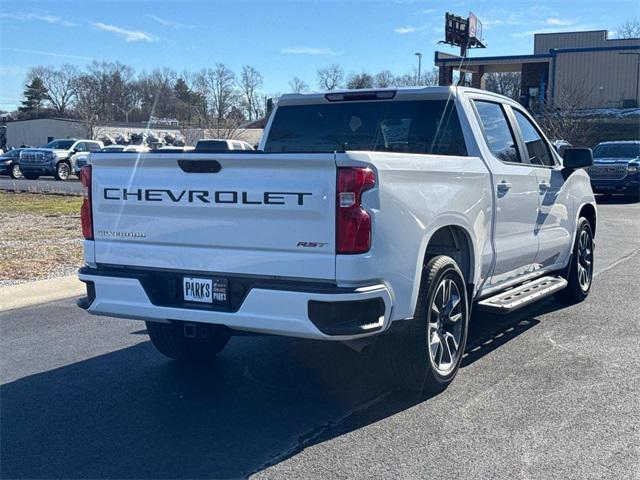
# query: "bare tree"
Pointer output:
{"type": "Point", "coordinates": [565, 119]}
{"type": "Point", "coordinates": [220, 82]}
{"type": "Point", "coordinates": [59, 84]}
{"type": "Point", "coordinates": [384, 79]}
{"type": "Point", "coordinates": [88, 103]}
{"type": "Point", "coordinates": [250, 83]}
{"type": "Point", "coordinates": [629, 29]}
{"type": "Point", "coordinates": [504, 83]}
{"type": "Point", "coordinates": [360, 80]}
{"type": "Point", "coordinates": [330, 78]}
{"type": "Point", "coordinates": [154, 93]}
{"type": "Point", "coordinates": [298, 85]}
{"type": "Point", "coordinates": [429, 78]}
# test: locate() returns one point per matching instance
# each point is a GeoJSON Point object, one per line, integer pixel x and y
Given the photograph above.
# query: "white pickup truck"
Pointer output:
{"type": "Point", "coordinates": [363, 214]}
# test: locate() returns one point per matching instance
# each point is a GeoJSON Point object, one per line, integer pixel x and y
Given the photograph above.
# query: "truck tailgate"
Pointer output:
{"type": "Point", "coordinates": [237, 213]}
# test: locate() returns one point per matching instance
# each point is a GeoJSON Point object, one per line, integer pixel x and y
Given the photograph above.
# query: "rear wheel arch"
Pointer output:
{"type": "Point", "coordinates": [455, 242]}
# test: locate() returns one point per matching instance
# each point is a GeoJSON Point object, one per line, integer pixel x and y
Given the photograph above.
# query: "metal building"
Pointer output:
{"type": "Point", "coordinates": [600, 72]}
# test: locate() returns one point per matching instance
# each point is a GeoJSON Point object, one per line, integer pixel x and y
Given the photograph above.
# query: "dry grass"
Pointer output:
{"type": "Point", "coordinates": [40, 236]}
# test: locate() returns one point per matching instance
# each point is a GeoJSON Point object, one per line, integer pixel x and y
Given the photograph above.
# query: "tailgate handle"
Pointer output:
{"type": "Point", "coordinates": [200, 166]}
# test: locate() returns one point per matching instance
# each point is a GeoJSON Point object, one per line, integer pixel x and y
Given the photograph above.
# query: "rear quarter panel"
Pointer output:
{"type": "Point", "coordinates": [415, 195]}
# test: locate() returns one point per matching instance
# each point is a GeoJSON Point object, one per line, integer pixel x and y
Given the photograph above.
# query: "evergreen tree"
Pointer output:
{"type": "Point", "coordinates": [35, 94]}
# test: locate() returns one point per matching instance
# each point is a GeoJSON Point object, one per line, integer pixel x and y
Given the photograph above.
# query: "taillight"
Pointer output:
{"type": "Point", "coordinates": [86, 216]}
{"type": "Point", "coordinates": [353, 223]}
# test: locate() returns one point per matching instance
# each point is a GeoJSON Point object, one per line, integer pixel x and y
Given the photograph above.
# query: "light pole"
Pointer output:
{"type": "Point", "coordinates": [637, 74]}
{"type": "Point", "coordinates": [419, 55]}
{"type": "Point", "coordinates": [126, 112]}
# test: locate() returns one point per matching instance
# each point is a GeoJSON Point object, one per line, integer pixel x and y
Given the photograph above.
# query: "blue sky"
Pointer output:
{"type": "Point", "coordinates": [280, 39]}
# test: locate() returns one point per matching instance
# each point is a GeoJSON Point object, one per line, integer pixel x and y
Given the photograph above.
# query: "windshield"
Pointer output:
{"type": "Point", "coordinates": [617, 150]}
{"type": "Point", "coordinates": [60, 144]}
{"type": "Point", "coordinates": [426, 126]}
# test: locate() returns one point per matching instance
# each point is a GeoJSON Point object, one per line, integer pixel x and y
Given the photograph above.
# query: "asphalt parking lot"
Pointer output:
{"type": "Point", "coordinates": [549, 393]}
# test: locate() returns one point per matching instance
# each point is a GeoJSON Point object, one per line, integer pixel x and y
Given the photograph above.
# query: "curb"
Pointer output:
{"type": "Point", "coordinates": [39, 291]}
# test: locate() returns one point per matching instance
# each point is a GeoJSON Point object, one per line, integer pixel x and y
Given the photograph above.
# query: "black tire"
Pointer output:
{"type": "Point", "coordinates": [63, 171]}
{"type": "Point", "coordinates": [31, 176]}
{"type": "Point", "coordinates": [409, 353]}
{"type": "Point", "coordinates": [15, 171]}
{"type": "Point", "coordinates": [169, 339]}
{"type": "Point", "coordinates": [577, 289]}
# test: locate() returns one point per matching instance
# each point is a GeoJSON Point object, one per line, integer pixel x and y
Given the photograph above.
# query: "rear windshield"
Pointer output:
{"type": "Point", "coordinates": [617, 150]}
{"type": "Point", "coordinates": [425, 126]}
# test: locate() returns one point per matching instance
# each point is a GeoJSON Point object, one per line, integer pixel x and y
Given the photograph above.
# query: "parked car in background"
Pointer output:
{"type": "Point", "coordinates": [9, 163]}
{"type": "Point", "coordinates": [616, 168]}
{"type": "Point", "coordinates": [221, 145]}
{"type": "Point", "coordinates": [82, 159]}
{"type": "Point", "coordinates": [55, 158]}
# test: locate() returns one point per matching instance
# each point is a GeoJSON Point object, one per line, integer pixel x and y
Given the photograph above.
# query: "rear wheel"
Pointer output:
{"type": "Point", "coordinates": [63, 171]}
{"type": "Point", "coordinates": [31, 176]}
{"type": "Point", "coordinates": [15, 171]}
{"type": "Point", "coordinates": [425, 357]}
{"type": "Point", "coordinates": [170, 340]}
{"type": "Point", "coordinates": [581, 268]}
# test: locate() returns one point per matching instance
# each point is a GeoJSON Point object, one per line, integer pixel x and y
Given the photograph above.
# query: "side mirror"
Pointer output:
{"type": "Point", "coordinates": [574, 158]}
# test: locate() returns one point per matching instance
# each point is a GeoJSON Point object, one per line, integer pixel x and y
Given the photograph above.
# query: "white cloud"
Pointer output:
{"type": "Point", "coordinates": [47, 54]}
{"type": "Point", "coordinates": [310, 51]}
{"type": "Point", "coordinates": [42, 17]}
{"type": "Point", "coordinates": [128, 35]}
{"type": "Point", "coordinates": [404, 30]}
{"type": "Point", "coordinates": [429, 10]}
{"type": "Point", "coordinates": [169, 23]}
{"type": "Point", "coordinates": [559, 21]}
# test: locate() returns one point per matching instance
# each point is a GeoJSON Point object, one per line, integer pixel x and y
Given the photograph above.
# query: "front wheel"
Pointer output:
{"type": "Point", "coordinates": [63, 171]}
{"type": "Point", "coordinates": [15, 171]}
{"type": "Point", "coordinates": [169, 339]}
{"type": "Point", "coordinates": [426, 356]}
{"type": "Point", "coordinates": [581, 269]}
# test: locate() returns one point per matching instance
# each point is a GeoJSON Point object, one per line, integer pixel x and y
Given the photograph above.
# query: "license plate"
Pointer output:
{"type": "Point", "coordinates": [205, 290]}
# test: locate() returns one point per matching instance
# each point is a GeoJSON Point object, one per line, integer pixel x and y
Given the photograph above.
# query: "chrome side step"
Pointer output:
{"type": "Point", "coordinates": [524, 294]}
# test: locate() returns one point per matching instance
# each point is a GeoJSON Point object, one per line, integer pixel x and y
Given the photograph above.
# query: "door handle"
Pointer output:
{"type": "Point", "coordinates": [504, 186]}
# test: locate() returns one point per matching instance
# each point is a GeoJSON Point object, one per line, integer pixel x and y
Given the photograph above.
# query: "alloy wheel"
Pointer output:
{"type": "Point", "coordinates": [585, 260]}
{"type": "Point", "coordinates": [15, 171]}
{"type": "Point", "coordinates": [445, 326]}
{"type": "Point", "coordinates": [63, 171]}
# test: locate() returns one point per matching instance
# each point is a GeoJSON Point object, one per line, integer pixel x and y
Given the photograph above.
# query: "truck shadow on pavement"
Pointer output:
{"type": "Point", "coordinates": [134, 414]}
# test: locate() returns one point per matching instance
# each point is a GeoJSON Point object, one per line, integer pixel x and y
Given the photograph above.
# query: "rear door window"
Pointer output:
{"type": "Point", "coordinates": [497, 131]}
{"type": "Point", "coordinates": [421, 127]}
{"type": "Point", "coordinates": [92, 146]}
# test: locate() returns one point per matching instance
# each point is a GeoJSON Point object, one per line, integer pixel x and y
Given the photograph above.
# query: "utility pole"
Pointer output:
{"type": "Point", "coordinates": [419, 55]}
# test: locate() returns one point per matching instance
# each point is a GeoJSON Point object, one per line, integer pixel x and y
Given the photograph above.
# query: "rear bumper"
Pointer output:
{"type": "Point", "coordinates": [326, 313]}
